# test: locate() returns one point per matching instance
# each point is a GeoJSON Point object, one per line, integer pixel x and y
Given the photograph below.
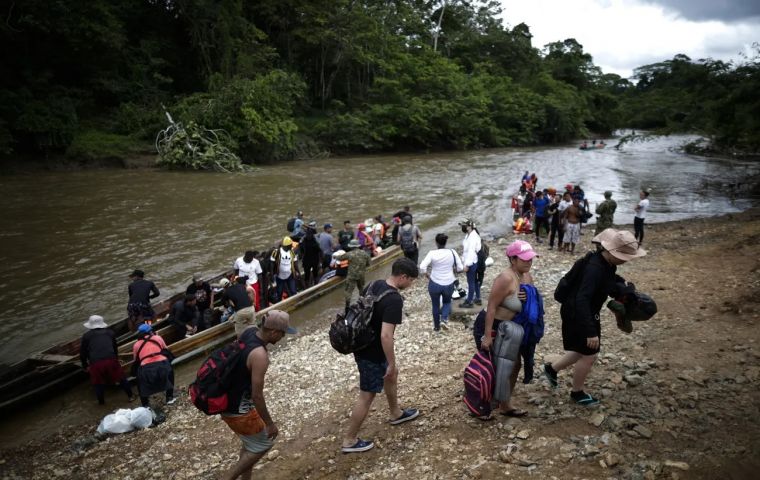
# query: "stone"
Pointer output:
{"type": "Point", "coordinates": [633, 380]}
{"type": "Point", "coordinates": [523, 434]}
{"type": "Point", "coordinates": [597, 419]}
{"type": "Point", "coordinates": [168, 456]}
{"type": "Point", "coordinates": [273, 454]}
{"type": "Point", "coordinates": [643, 431]}
{"type": "Point", "coordinates": [677, 465]}
{"type": "Point", "coordinates": [611, 459]}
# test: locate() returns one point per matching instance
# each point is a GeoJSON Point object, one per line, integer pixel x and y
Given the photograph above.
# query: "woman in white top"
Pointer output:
{"type": "Point", "coordinates": [442, 263]}
{"type": "Point", "coordinates": [641, 213]}
{"type": "Point", "coordinates": [470, 247]}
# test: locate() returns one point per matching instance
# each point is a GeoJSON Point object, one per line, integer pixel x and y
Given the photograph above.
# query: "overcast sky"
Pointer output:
{"type": "Point", "coordinates": [624, 34]}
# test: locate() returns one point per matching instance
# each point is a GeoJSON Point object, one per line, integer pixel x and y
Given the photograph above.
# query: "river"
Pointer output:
{"type": "Point", "coordinates": [71, 238]}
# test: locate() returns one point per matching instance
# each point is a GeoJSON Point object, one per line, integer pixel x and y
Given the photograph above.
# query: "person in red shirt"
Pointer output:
{"type": "Point", "coordinates": [155, 373]}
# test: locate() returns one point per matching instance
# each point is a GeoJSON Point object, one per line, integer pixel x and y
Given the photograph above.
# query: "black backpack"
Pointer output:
{"type": "Point", "coordinates": [406, 239]}
{"type": "Point", "coordinates": [210, 390]}
{"type": "Point", "coordinates": [291, 224]}
{"type": "Point", "coordinates": [351, 331]}
{"type": "Point", "coordinates": [569, 282]}
{"type": "Point", "coordinates": [483, 254]}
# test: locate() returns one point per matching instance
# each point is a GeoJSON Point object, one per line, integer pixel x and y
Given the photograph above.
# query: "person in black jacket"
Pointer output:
{"type": "Point", "coordinates": [141, 292]}
{"type": "Point", "coordinates": [99, 356]}
{"type": "Point", "coordinates": [581, 326]}
{"type": "Point", "coordinates": [185, 315]}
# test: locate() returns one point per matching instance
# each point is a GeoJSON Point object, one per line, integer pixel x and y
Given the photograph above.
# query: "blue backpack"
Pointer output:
{"type": "Point", "coordinates": [531, 317]}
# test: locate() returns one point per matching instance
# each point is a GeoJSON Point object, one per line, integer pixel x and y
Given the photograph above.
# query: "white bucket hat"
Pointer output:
{"type": "Point", "coordinates": [95, 321]}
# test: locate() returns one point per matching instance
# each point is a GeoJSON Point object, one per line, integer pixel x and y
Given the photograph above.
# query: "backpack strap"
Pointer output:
{"type": "Point", "coordinates": [155, 354]}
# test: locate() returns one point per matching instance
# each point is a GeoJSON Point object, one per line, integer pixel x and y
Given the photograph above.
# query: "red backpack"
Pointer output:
{"type": "Point", "coordinates": [479, 378]}
{"type": "Point", "coordinates": [210, 390]}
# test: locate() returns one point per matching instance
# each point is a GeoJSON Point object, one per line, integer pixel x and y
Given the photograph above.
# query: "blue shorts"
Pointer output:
{"type": "Point", "coordinates": [371, 375]}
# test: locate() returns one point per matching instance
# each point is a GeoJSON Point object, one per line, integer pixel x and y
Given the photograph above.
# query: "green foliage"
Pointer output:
{"type": "Point", "coordinates": [197, 148]}
{"type": "Point", "coordinates": [256, 113]}
{"type": "Point", "coordinates": [91, 145]}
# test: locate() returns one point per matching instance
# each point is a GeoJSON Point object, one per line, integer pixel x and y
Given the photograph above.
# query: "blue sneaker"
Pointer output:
{"type": "Point", "coordinates": [359, 446]}
{"type": "Point", "coordinates": [585, 399]}
{"type": "Point", "coordinates": [406, 415]}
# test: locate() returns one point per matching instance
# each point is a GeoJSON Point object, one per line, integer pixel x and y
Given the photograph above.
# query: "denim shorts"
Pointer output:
{"type": "Point", "coordinates": [371, 375]}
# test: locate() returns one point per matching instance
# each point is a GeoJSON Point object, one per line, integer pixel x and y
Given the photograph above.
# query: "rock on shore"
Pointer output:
{"type": "Point", "coordinates": [679, 395]}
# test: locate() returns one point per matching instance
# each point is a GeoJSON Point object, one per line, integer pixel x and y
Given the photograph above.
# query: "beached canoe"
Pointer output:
{"type": "Point", "coordinates": [58, 368]}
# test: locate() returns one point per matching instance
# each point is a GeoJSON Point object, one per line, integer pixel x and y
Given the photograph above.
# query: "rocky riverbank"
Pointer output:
{"type": "Point", "coordinates": [679, 394]}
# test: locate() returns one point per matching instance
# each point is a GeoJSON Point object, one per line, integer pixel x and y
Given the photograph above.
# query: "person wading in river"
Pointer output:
{"type": "Point", "coordinates": [247, 414]}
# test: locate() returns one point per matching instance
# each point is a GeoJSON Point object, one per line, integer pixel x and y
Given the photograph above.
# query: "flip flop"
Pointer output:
{"type": "Point", "coordinates": [515, 412]}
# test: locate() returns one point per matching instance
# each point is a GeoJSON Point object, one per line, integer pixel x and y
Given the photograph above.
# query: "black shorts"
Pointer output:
{"type": "Point", "coordinates": [371, 375]}
{"type": "Point", "coordinates": [574, 339]}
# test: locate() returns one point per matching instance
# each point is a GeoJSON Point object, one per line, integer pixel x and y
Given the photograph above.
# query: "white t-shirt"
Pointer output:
{"type": "Point", "coordinates": [442, 261]}
{"type": "Point", "coordinates": [643, 206]}
{"type": "Point", "coordinates": [563, 204]}
{"type": "Point", "coordinates": [286, 268]}
{"type": "Point", "coordinates": [251, 269]}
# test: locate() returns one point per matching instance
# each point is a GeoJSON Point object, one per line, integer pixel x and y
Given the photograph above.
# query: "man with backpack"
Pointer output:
{"type": "Point", "coordinates": [377, 361]}
{"type": "Point", "coordinates": [409, 236]}
{"type": "Point", "coordinates": [247, 414]}
{"type": "Point", "coordinates": [358, 261]}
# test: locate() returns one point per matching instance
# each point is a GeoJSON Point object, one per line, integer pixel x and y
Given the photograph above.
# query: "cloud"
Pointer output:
{"type": "Point", "coordinates": [624, 34]}
{"type": "Point", "coordinates": [728, 10]}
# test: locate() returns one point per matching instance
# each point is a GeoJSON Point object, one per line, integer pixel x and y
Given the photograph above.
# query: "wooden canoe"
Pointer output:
{"type": "Point", "coordinates": [58, 368]}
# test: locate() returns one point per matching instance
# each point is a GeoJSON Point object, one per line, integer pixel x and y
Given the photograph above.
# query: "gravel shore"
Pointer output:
{"type": "Point", "coordinates": [679, 394]}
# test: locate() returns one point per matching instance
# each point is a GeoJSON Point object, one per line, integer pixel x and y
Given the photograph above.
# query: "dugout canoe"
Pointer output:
{"type": "Point", "coordinates": [204, 342]}
{"type": "Point", "coordinates": [57, 368]}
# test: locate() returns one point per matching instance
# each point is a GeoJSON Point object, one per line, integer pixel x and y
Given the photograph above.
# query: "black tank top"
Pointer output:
{"type": "Point", "coordinates": [241, 386]}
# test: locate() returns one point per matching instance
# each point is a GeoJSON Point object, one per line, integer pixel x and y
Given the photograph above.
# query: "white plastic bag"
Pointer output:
{"type": "Point", "coordinates": [117, 422]}
{"type": "Point", "coordinates": [141, 417]}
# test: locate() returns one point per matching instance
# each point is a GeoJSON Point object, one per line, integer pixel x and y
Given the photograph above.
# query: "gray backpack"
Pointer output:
{"type": "Point", "coordinates": [406, 239]}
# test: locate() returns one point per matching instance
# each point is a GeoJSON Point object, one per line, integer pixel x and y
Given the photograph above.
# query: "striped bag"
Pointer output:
{"type": "Point", "coordinates": [478, 385]}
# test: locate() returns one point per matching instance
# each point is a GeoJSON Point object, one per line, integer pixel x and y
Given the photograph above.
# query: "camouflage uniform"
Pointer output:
{"type": "Point", "coordinates": [605, 210]}
{"type": "Point", "coordinates": [358, 261]}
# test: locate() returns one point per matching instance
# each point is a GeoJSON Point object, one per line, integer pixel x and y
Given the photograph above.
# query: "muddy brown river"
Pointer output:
{"type": "Point", "coordinates": [69, 239]}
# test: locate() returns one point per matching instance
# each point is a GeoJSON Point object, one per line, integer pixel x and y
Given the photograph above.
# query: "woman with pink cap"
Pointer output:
{"type": "Point", "coordinates": [581, 325]}
{"type": "Point", "coordinates": [494, 329]}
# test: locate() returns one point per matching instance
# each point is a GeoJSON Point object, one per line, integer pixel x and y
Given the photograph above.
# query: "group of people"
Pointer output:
{"type": "Point", "coordinates": [497, 328]}
{"type": "Point", "coordinates": [561, 216]}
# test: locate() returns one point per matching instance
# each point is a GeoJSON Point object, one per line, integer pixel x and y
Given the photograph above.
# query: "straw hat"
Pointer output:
{"type": "Point", "coordinates": [620, 243]}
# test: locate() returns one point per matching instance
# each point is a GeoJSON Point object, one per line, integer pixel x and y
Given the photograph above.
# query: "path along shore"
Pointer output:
{"type": "Point", "coordinates": [679, 395]}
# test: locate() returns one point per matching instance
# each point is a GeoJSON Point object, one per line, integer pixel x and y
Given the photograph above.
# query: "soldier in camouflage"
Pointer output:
{"type": "Point", "coordinates": [358, 261]}
{"type": "Point", "coordinates": [605, 212]}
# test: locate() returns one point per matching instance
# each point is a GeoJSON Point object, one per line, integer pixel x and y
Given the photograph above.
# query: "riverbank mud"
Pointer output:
{"type": "Point", "coordinates": [679, 395]}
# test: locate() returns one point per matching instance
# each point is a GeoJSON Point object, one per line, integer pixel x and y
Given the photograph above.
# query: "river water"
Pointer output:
{"type": "Point", "coordinates": [71, 238]}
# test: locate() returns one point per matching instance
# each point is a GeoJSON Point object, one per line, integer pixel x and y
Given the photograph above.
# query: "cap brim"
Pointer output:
{"type": "Point", "coordinates": [530, 256]}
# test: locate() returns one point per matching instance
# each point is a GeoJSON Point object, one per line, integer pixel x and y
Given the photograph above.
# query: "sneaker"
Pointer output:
{"type": "Point", "coordinates": [170, 401]}
{"type": "Point", "coordinates": [406, 415]}
{"type": "Point", "coordinates": [478, 301]}
{"type": "Point", "coordinates": [551, 375]}
{"type": "Point", "coordinates": [585, 399]}
{"type": "Point", "coordinates": [359, 446]}
{"type": "Point", "coordinates": [445, 324]}
{"type": "Point", "coordinates": [466, 305]}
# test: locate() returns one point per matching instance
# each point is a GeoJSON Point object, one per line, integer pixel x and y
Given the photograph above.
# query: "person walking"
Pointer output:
{"type": "Point", "coordinates": [241, 299]}
{"type": "Point", "coordinates": [99, 355]}
{"type": "Point", "coordinates": [443, 263]}
{"type": "Point", "coordinates": [249, 266]}
{"type": "Point", "coordinates": [285, 264]}
{"type": "Point", "coordinates": [377, 365]}
{"type": "Point", "coordinates": [141, 292]}
{"type": "Point", "coordinates": [605, 212]}
{"type": "Point", "coordinates": [155, 373]}
{"type": "Point", "coordinates": [494, 329]}
{"type": "Point", "coordinates": [641, 213]}
{"type": "Point", "coordinates": [471, 245]}
{"type": "Point", "coordinates": [540, 205]}
{"type": "Point", "coordinates": [358, 261]}
{"type": "Point", "coordinates": [409, 238]}
{"type": "Point", "coordinates": [555, 222]}
{"type": "Point", "coordinates": [572, 216]}
{"type": "Point", "coordinates": [581, 325]}
{"type": "Point", "coordinates": [247, 413]}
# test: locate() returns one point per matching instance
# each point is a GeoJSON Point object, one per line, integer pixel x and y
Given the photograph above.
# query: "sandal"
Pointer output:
{"type": "Point", "coordinates": [515, 412]}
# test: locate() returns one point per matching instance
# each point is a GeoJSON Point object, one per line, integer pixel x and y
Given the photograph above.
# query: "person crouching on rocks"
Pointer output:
{"type": "Point", "coordinates": [494, 329]}
{"type": "Point", "coordinates": [581, 327]}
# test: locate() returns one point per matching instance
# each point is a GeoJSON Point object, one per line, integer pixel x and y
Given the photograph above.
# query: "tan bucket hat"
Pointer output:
{"type": "Point", "coordinates": [620, 243]}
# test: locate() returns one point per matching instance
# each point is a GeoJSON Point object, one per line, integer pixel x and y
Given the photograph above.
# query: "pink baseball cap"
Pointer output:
{"type": "Point", "coordinates": [522, 250]}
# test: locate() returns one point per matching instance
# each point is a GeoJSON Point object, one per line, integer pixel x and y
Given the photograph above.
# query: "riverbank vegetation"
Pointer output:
{"type": "Point", "coordinates": [303, 77]}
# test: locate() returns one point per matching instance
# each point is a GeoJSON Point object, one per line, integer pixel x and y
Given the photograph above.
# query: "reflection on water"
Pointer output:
{"type": "Point", "coordinates": [70, 239]}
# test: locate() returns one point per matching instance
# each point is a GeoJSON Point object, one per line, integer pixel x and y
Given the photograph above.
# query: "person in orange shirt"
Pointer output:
{"type": "Point", "coordinates": [154, 373]}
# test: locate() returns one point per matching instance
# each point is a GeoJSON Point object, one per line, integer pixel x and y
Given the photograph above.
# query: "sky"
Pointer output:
{"type": "Point", "coordinates": [624, 34]}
